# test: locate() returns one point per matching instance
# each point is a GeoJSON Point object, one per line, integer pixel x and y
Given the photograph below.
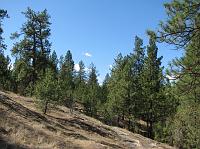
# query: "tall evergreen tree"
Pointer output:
{"type": "Point", "coordinates": [81, 74]}
{"type": "Point", "coordinates": [104, 89]}
{"type": "Point", "coordinates": [80, 83]}
{"type": "Point", "coordinates": [117, 89]}
{"type": "Point", "coordinates": [34, 48]}
{"type": "Point", "coordinates": [182, 29]}
{"type": "Point", "coordinates": [153, 100]}
{"type": "Point", "coordinates": [185, 127]}
{"type": "Point", "coordinates": [125, 86]}
{"type": "Point", "coordinates": [91, 101]}
{"type": "Point", "coordinates": [67, 79]}
{"type": "Point", "coordinates": [4, 61]}
{"type": "Point", "coordinates": [3, 14]}
{"type": "Point", "coordinates": [54, 62]}
{"type": "Point", "coordinates": [136, 66]}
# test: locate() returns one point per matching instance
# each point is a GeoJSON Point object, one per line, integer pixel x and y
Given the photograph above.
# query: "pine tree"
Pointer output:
{"type": "Point", "coordinates": [136, 65]}
{"type": "Point", "coordinates": [185, 127]}
{"type": "Point", "coordinates": [4, 61]}
{"type": "Point", "coordinates": [102, 108]}
{"type": "Point", "coordinates": [152, 79]}
{"type": "Point", "coordinates": [182, 24]}
{"type": "Point", "coordinates": [48, 91]}
{"type": "Point", "coordinates": [4, 72]}
{"type": "Point", "coordinates": [182, 30]}
{"type": "Point", "coordinates": [22, 75]}
{"type": "Point", "coordinates": [80, 83]}
{"type": "Point", "coordinates": [92, 100]}
{"type": "Point", "coordinates": [34, 48]}
{"type": "Point", "coordinates": [125, 87]}
{"type": "Point", "coordinates": [104, 89]}
{"type": "Point", "coordinates": [117, 90]}
{"type": "Point", "coordinates": [54, 62]}
{"type": "Point", "coordinates": [67, 79]}
{"type": "Point", "coordinates": [3, 14]}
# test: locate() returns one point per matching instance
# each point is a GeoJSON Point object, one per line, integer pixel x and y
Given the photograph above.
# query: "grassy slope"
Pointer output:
{"type": "Point", "coordinates": [23, 126]}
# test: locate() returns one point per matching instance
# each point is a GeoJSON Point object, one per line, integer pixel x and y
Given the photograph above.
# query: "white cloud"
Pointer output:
{"type": "Point", "coordinates": [76, 67]}
{"type": "Point", "coordinates": [88, 54]}
{"type": "Point", "coordinates": [110, 66]}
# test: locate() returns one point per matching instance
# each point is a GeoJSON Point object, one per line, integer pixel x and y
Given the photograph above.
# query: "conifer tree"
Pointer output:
{"type": "Point", "coordinates": [67, 79]}
{"type": "Point", "coordinates": [136, 64]}
{"type": "Point", "coordinates": [125, 87]}
{"type": "Point", "coordinates": [104, 89]}
{"type": "Point", "coordinates": [92, 100]}
{"type": "Point", "coordinates": [182, 29]}
{"type": "Point", "coordinates": [4, 61]}
{"type": "Point", "coordinates": [154, 101]}
{"type": "Point", "coordinates": [182, 24]}
{"type": "Point", "coordinates": [3, 14]}
{"type": "Point", "coordinates": [22, 75]}
{"type": "Point", "coordinates": [48, 91]}
{"type": "Point", "coordinates": [102, 108]}
{"type": "Point", "coordinates": [54, 62]}
{"type": "Point", "coordinates": [117, 92]}
{"type": "Point", "coordinates": [34, 48]}
{"type": "Point", "coordinates": [80, 83]}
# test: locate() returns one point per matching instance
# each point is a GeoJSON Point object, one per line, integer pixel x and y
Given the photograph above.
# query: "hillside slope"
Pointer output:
{"type": "Point", "coordinates": [23, 126]}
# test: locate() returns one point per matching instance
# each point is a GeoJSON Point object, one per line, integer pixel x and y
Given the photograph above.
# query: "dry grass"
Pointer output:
{"type": "Point", "coordinates": [23, 126]}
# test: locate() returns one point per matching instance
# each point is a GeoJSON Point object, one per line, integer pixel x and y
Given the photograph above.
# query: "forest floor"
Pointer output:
{"type": "Point", "coordinates": [23, 126]}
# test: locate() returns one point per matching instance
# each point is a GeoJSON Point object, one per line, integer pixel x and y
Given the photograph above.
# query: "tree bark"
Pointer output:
{"type": "Point", "coordinates": [46, 106]}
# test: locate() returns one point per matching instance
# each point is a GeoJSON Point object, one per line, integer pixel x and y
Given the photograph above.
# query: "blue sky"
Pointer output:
{"type": "Point", "coordinates": [94, 30]}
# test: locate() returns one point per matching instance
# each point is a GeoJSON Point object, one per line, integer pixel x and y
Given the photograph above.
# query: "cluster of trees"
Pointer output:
{"type": "Point", "coordinates": [136, 95]}
{"type": "Point", "coordinates": [136, 90]}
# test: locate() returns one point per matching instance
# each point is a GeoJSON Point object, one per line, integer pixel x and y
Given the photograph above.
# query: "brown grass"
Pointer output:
{"type": "Point", "coordinates": [23, 126]}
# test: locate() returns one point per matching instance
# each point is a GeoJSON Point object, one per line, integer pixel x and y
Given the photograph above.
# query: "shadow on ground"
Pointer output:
{"type": "Point", "coordinates": [5, 145]}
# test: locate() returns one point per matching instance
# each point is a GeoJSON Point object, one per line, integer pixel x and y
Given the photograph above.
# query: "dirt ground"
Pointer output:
{"type": "Point", "coordinates": [22, 126]}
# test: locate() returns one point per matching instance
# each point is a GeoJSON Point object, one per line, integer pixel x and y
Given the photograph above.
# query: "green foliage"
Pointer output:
{"type": "Point", "coordinates": [185, 128]}
{"type": "Point", "coordinates": [104, 89]}
{"type": "Point", "coordinates": [66, 78]}
{"type": "Point", "coordinates": [92, 99]}
{"type": "Point", "coordinates": [48, 91]}
{"type": "Point", "coordinates": [80, 83]}
{"type": "Point", "coordinates": [4, 61]}
{"type": "Point", "coordinates": [4, 72]}
{"type": "Point", "coordinates": [33, 47]}
{"type": "Point", "coordinates": [22, 74]}
{"type": "Point", "coordinates": [3, 14]}
{"type": "Point", "coordinates": [182, 30]}
{"type": "Point", "coordinates": [53, 62]}
{"type": "Point", "coordinates": [154, 101]}
{"type": "Point", "coordinates": [116, 87]}
{"type": "Point", "coordinates": [182, 24]}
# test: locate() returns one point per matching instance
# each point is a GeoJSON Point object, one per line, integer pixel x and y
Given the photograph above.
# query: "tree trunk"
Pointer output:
{"type": "Point", "coordinates": [150, 130]}
{"type": "Point", "coordinates": [34, 75]}
{"type": "Point", "coordinates": [46, 106]}
{"type": "Point", "coordinates": [129, 123]}
{"type": "Point", "coordinates": [42, 50]}
{"type": "Point", "coordinates": [118, 119]}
